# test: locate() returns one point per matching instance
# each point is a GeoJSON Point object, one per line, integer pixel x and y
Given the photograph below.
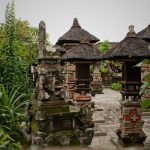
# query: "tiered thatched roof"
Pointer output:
{"type": "Point", "coordinates": [145, 34]}
{"type": "Point", "coordinates": [76, 34]}
{"type": "Point", "coordinates": [129, 48]}
{"type": "Point", "coordinates": [84, 52]}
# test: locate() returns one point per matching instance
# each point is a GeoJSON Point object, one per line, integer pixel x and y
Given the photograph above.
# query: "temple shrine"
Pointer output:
{"type": "Point", "coordinates": [61, 109]}
{"type": "Point", "coordinates": [70, 39]}
{"type": "Point", "coordinates": [130, 52]}
{"type": "Point", "coordinates": [52, 119]}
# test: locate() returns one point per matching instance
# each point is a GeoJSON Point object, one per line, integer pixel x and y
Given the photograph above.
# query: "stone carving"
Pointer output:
{"type": "Point", "coordinates": [51, 119]}
{"type": "Point", "coordinates": [85, 137]}
{"type": "Point", "coordinates": [96, 84]}
{"type": "Point", "coordinates": [64, 140]}
{"type": "Point", "coordinates": [42, 38]}
{"type": "Point", "coordinates": [49, 138]}
{"type": "Point", "coordinates": [40, 118]}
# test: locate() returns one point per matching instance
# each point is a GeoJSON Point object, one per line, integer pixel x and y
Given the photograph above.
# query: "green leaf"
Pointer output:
{"type": "Point", "coordinates": [144, 87]}
{"type": "Point", "coordinates": [139, 64]}
{"type": "Point", "coordinates": [149, 46]}
{"type": "Point", "coordinates": [147, 77]}
{"type": "Point", "coordinates": [1, 94]}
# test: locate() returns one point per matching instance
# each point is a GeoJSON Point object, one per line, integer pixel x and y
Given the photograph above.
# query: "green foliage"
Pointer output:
{"type": "Point", "coordinates": [144, 87]}
{"type": "Point", "coordinates": [145, 104]}
{"type": "Point", "coordinates": [116, 86]}
{"type": "Point", "coordinates": [103, 68]}
{"type": "Point", "coordinates": [18, 50]}
{"type": "Point", "coordinates": [91, 68]}
{"type": "Point", "coordinates": [12, 108]}
{"type": "Point", "coordinates": [104, 46]}
{"type": "Point", "coordinates": [145, 61]}
{"type": "Point", "coordinates": [6, 142]}
{"type": "Point", "coordinates": [149, 46]}
{"type": "Point", "coordinates": [12, 113]}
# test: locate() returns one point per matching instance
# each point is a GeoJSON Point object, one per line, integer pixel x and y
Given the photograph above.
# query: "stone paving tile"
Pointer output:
{"type": "Point", "coordinates": [107, 121]}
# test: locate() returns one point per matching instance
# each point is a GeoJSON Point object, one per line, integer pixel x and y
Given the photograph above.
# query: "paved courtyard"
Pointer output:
{"type": "Point", "coordinates": [106, 118]}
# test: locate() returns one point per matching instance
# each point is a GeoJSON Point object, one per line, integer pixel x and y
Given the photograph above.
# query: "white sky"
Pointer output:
{"type": "Point", "coordinates": [106, 19]}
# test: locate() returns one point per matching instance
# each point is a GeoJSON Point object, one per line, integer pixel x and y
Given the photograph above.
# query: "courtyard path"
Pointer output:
{"type": "Point", "coordinates": [106, 119]}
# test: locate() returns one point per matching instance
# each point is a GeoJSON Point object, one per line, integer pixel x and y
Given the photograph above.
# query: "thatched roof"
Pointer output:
{"type": "Point", "coordinates": [84, 51]}
{"type": "Point", "coordinates": [145, 34]}
{"type": "Point", "coordinates": [60, 49]}
{"type": "Point", "coordinates": [76, 34]}
{"type": "Point", "coordinates": [129, 48]}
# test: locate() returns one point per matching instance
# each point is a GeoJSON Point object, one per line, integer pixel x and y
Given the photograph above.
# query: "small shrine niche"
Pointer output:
{"type": "Point", "coordinates": [82, 78]}
{"type": "Point", "coordinates": [131, 80]}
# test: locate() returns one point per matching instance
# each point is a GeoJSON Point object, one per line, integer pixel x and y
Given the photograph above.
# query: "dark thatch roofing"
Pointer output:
{"type": "Point", "coordinates": [132, 47]}
{"type": "Point", "coordinates": [145, 34]}
{"type": "Point", "coordinates": [60, 49]}
{"type": "Point", "coordinates": [84, 51]}
{"type": "Point", "coordinates": [76, 34]}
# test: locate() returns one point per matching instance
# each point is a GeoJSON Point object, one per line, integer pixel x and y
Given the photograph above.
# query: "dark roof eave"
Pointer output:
{"type": "Point", "coordinates": [61, 42]}
{"type": "Point", "coordinates": [121, 58]}
{"type": "Point", "coordinates": [79, 59]}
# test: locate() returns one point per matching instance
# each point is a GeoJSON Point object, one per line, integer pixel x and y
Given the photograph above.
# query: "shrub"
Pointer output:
{"type": "Point", "coordinates": [116, 86]}
{"type": "Point", "coordinates": [12, 112]}
{"type": "Point", "coordinates": [6, 142]}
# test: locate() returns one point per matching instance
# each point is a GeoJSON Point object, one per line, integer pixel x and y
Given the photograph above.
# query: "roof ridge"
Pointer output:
{"type": "Point", "coordinates": [75, 23]}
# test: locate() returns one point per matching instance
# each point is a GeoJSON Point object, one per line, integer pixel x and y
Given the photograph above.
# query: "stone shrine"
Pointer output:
{"type": "Point", "coordinates": [130, 51]}
{"type": "Point", "coordinates": [52, 120]}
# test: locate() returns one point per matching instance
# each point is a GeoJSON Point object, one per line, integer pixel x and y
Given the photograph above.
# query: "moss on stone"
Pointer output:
{"type": "Point", "coordinates": [34, 126]}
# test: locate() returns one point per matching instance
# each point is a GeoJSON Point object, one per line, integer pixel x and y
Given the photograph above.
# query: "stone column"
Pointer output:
{"type": "Point", "coordinates": [130, 131]}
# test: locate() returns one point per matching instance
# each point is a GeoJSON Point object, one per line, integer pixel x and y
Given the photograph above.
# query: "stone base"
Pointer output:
{"type": "Point", "coordinates": [131, 139]}
{"type": "Point", "coordinates": [119, 145]}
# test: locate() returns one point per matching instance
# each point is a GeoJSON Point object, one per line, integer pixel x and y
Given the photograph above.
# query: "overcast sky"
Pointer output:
{"type": "Point", "coordinates": [106, 19]}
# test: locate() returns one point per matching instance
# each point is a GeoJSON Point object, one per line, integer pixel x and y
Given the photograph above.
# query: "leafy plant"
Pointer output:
{"type": "Point", "coordinates": [145, 104]}
{"type": "Point", "coordinates": [146, 84]}
{"type": "Point", "coordinates": [12, 110]}
{"type": "Point", "coordinates": [104, 46]}
{"type": "Point", "coordinates": [91, 68]}
{"type": "Point", "coordinates": [116, 86]}
{"type": "Point", "coordinates": [103, 68]}
{"type": "Point", "coordinates": [18, 50]}
{"type": "Point", "coordinates": [6, 142]}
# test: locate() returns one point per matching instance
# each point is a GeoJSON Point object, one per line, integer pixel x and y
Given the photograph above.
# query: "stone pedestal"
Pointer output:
{"type": "Point", "coordinates": [130, 131]}
{"type": "Point", "coordinates": [96, 83]}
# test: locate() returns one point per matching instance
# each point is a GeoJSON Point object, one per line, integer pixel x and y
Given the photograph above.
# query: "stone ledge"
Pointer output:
{"type": "Point", "coordinates": [145, 113]}
{"type": "Point", "coordinates": [98, 133]}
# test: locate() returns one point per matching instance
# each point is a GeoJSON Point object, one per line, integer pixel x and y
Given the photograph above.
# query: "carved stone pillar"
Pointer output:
{"type": "Point", "coordinates": [130, 131]}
